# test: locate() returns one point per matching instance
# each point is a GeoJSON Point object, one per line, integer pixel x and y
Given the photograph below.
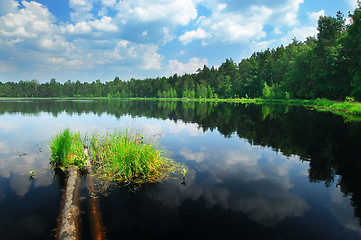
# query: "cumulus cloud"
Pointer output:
{"type": "Point", "coordinates": [314, 16]}
{"type": "Point", "coordinates": [81, 10]}
{"type": "Point", "coordinates": [104, 24]}
{"type": "Point", "coordinates": [32, 27]}
{"type": "Point", "coordinates": [8, 6]}
{"type": "Point", "coordinates": [193, 64]}
{"type": "Point", "coordinates": [300, 33]}
{"type": "Point", "coordinates": [244, 22]}
{"type": "Point", "coordinates": [189, 36]}
{"type": "Point", "coordinates": [151, 59]}
{"type": "Point", "coordinates": [286, 15]}
{"type": "Point", "coordinates": [29, 22]}
{"type": "Point", "coordinates": [179, 12]}
{"type": "Point", "coordinates": [108, 3]}
{"type": "Point", "coordinates": [78, 28]}
{"type": "Point", "coordinates": [231, 26]}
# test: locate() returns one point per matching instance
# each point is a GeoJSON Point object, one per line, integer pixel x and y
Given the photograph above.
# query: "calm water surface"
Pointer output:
{"type": "Point", "coordinates": [255, 172]}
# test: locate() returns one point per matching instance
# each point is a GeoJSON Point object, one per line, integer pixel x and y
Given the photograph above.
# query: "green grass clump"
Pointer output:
{"type": "Point", "coordinates": [127, 157]}
{"type": "Point", "coordinates": [67, 149]}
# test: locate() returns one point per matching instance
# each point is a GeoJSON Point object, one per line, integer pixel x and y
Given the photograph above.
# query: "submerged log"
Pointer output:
{"type": "Point", "coordinates": [70, 214]}
{"type": "Point", "coordinates": [96, 223]}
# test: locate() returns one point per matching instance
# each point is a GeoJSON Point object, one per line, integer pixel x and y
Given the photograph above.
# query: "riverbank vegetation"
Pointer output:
{"type": "Point", "coordinates": [120, 158]}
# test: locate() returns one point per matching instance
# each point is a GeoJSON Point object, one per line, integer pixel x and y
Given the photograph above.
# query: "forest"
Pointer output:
{"type": "Point", "coordinates": [324, 66]}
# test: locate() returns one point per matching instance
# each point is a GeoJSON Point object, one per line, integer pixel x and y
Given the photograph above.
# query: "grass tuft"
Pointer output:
{"type": "Point", "coordinates": [67, 149]}
{"type": "Point", "coordinates": [118, 158]}
{"type": "Point", "coordinates": [127, 157]}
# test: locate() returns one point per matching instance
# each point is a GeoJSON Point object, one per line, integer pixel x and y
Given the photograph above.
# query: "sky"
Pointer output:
{"type": "Point", "coordinates": [87, 40]}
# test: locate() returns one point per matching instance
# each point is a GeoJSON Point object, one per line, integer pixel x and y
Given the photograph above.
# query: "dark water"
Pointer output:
{"type": "Point", "coordinates": [255, 172]}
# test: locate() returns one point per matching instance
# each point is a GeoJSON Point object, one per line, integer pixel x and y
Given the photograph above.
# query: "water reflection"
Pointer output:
{"type": "Point", "coordinates": [244, 179]}
{"type": "Point", "coordinates": [343, 212]}
{"type": "Point", "coordinates": [271, 169]}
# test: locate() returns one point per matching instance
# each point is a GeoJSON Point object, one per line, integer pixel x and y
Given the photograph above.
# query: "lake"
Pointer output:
{"type": "Point", "coordinates": [254, 171]}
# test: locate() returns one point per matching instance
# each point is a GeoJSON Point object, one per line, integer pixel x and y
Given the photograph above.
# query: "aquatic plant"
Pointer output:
{"type": "Point", "coordinates": [117, 158]}
{"type": "Point", "coordinates": [67, 149]}
{"type": "Point", "coordinates": [127, 157]}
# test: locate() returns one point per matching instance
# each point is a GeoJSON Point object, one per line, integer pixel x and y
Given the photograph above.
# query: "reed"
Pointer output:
{"type": "Point", "coordinates": [67, 149]}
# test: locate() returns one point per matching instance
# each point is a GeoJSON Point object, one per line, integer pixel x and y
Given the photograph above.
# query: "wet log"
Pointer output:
{"type": "Point", "coordinates": [70, 214]}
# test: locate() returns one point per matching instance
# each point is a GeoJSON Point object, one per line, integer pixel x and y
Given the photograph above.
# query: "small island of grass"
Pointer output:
{"type": "Point", "coordinates": [120, 157]}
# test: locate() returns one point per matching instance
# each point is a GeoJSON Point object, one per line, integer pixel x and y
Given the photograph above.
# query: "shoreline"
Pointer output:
{"type": "Point", "coordinates": [351, 111]}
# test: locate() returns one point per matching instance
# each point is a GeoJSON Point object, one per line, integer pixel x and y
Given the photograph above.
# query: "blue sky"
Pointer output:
{"type": "Point", "coordinates": [100, 39]}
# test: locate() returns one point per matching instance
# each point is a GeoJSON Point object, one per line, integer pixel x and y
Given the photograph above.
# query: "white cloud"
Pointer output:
{"type": "Point", "coordinates": [108, 3]}
{"type": "Point", "coordinates": [191, 129]}
{"type": "Point", "coordinates": [288, 14]}
{"type": "Point", "coordinates": [235, 27]}
{"type": "Point", "coordinates": [175, 66]}
{"type": "Point", "coordinates": [343, 211]}
{"type": "Point", "coordinates": [78, 28]}
{"type": "Point", "coordinates": [314, 16]}
{"type": "Point", "coordinates": [352, 3]}
{"type": "Point", "coordinates": [195, 156]}
{"type": "Point", "coordinates": [168, 37]}
{"type": "Point", "coordinates": [104, 24]}
{"type": "Point", "coordinates": [81, 10]}
{"type": "Point", "coordinates": [77, 3]}
{"type": "Point", "coordinates": [143, 56]}
{"type": "Point", "coordinates": [8, 6]}
{"type": "Point", "coordinates": [29, 22]}
{"type": "Point", "coordinates": [228, 23]}
{"type": "Point", "coordinates": [260, 192]}
{"type": "Point", "coordinates": [300, 33]}
{"type": "Point", "coordinates": [179, 12]}
{"type": "Point", "coordinates": [230, 30]}
{"type": "Point", "coordinates": [151, 59]}
{"type": "Point", "coordinates": [276, 30]}
{"type": "Point", "coordinates": [32, 26]}
{"type": "Point", "coordinates": [189, 36]}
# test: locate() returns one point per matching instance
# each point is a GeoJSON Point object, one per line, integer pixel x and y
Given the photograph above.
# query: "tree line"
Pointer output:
{"type": "Point", "coordinates": [324, 66]}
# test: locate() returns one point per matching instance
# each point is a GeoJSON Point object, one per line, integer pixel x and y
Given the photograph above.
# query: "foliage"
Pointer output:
{"type": "Point", "coordinates": [267, 92]}
{"type": "Point", "coordinates": [128, 157]}
{"type": "Point", "coordinates": [67, 149]}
